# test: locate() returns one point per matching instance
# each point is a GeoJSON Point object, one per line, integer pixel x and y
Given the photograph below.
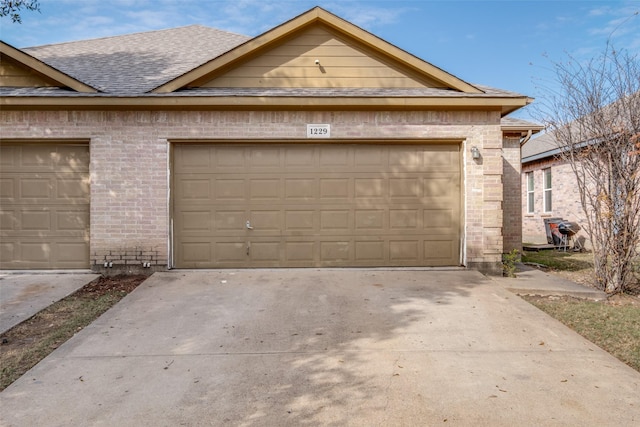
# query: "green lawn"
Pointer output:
{"type": "Point", "coordinates": [614, 327]}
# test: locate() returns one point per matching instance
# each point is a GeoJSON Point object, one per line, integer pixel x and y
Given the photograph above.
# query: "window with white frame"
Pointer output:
{"type": "Point", "coordinates": [530, 193]}
{"type": "Point", "coordinates": [546, 177]}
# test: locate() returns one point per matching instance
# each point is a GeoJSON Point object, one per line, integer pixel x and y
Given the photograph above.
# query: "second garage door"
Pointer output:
{"type": "Point", "coordinates": [293, 205]}
{"type": "Point", "coordinates": [44, 205]}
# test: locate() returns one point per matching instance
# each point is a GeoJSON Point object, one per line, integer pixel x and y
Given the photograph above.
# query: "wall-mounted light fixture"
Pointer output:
{"type": "Point", "coordinates": [475, 153]}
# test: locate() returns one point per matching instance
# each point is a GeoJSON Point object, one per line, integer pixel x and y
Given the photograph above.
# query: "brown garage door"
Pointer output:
{"type": "Point", "coordinates": [316, 205]}
{"type": "Point", "coordinates": [44, 206]}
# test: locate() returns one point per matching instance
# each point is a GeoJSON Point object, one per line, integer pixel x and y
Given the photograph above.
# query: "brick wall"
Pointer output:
{"type": "Point", "coordinates": [512, 223]}
{"type": "Point", "coordinates": [130, 158]}
{"type": "Point", "coordinates": [565, 201]}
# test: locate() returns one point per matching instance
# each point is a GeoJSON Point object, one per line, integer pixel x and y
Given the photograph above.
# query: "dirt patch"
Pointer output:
{"type": "Point", "coordinates": [614, 300]}
{"type": "Point", "coordinates": [24, 345]}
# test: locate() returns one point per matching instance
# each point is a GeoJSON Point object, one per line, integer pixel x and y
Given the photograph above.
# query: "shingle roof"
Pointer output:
{"type": "Point", "coordinates": [516, 123]}
{"type": "Point", "coordinates": [131, 66]}
{"type": "Point", "coordinates": [540, 147]}
{"type": "Point", "coordinates": [137, 63]}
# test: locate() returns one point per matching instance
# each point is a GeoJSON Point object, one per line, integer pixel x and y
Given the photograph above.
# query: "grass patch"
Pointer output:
{"type": "Point", "coordinates": [558, 260]}
{"type": "Point", "coordinates": [26, 344]}
{"type": "Point", "coordinates": [613, 325]}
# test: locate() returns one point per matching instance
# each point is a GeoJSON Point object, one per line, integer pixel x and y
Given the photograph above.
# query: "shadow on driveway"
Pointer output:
{"type": "Point", "coordinates": [325, 347]}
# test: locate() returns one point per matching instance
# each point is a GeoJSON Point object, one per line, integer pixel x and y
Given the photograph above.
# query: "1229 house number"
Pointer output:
{"type": "Point", "coordinates": [319, 131]}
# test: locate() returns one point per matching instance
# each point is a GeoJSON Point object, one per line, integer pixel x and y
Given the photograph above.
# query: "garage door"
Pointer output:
{"type": "Point", "coordinates": [44, 206]}
{"type": "Point", "coordinates": [316, 205]}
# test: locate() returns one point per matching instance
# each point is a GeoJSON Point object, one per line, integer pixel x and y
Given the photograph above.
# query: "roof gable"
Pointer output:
{"type": "Point", "coordinates": [19, 69]}
{"type": "Point", "coordinates": [285, 56]}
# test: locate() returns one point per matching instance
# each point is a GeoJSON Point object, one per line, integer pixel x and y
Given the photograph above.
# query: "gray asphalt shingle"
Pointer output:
{"type": "Point", "coordinates": [137, 63]}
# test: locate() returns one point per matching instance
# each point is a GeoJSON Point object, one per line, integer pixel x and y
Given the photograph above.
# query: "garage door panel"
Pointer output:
{"type": "Point", "coordinates": [234, 251]}
{"type": "Point", "coordinates": [440, 159]}
{"type": "Point", "coordinates": [229, 158]}
{"type": "Point", "coordinates": [7, 188]}
{"type": "Point", "coordinates": [404, 250]}
{"type": "Point", "coordinates": [230, 189]}
{"type": "Point", "coordinates": [230, 220]}
{"type": "Point", "coordinates": [373, 252]}
{"type": "Point", "coordinates": [197, 159]}
{"type": "Point", "coordinates": [33, 253]}
{"type": "Point", "coordinates": [335, 158]}
{"type": "Point", "coordinates": [320, 205]}
{"type": "Point", "coordinates": [265, 251]}
{"type": "Point", "coordinates": [196, 221]}
{"type": "Point", "coordinates": [196, 188]}
{"type": "Point", "coordinates": [335, 252]}
{"type": "Point", "coordinates": [44, 221]}
{"type": "Point", "coordinates": [195, 252]}
{"type": "Point", "coordinates": [8, 252]}
{"type": "Point", "coordinates": [403, 219]}
{"type": "Point", "coordinates": [35, 220]}
{"type": "Point", "coordinates": [405, 187]}
{"type": "Point", "coordinates": [370, 219]}
{"type": "Point", "coordinates": [303, 253]}
{"type": "Point", "coordinates": [69, 252]}
{"type": "Point", "coordinates": [334, 220]}
{"type": "Point", "coordinates": [367, 188]}
{"type": "Point", "coordinates": [439, 219]}
{"type": "Point", "coordinates": [335, 188]}
{"type": "Point", "coordinates": [71, 188]}
{"type": "Point", "coordinates": [71, 220]}
{"type": "Point", "coordinates": [265, 158]}
{"type": "Point", "coordinates": [370, 156]}
{"type": "Point", "coordinates": [440, 251]}
{"type": "Point", "coordinates": [45, 158]}
{"type": "Point", "coordinates": [299, 157]}
{"type": "Point", "coordinates": [297, 221]}
{"type": "Point", "coordinates": [265, 189]}
{"type": "Point", "coordinates": [297, 189]}
{"type": "Point", "coordinates": [36, 188]}
{"type": "Point", "coordinates": [266, 220]}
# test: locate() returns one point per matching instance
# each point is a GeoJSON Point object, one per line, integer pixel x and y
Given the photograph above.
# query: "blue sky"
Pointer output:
{"type": "Point", "coordinates": [505, 44]}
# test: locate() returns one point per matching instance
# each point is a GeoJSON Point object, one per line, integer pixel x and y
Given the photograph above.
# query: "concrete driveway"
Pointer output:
{"type": "Point", "coordinates": [324, 347]}
{"type": "Point", "coordinates": [24, 294]}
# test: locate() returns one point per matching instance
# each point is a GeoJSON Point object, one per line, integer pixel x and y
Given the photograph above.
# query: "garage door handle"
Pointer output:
{"type": "Point", "coordinates": [249, 227]}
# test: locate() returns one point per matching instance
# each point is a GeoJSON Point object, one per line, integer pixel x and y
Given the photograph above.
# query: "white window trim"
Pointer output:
{"type": "Point", "coordinates": [546, 189]}
{"type": "Point", "coordinates": [531, 199]}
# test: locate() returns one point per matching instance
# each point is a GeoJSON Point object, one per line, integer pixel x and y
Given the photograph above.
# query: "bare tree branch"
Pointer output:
{"type": "Point", "coordinates": [595, 120]}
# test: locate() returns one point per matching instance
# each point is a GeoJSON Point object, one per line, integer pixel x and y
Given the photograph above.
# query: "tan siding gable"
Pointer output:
{"type": "Point", "coordinates": [343, 63]}
{"type": "Point", "coordinates": [13, 74]}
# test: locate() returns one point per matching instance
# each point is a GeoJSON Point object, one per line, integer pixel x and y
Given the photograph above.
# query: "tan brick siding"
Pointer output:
{"type": "Point", "coordinates": [129, 164]}
{"type": "Point", "coordinates": [512, 221]}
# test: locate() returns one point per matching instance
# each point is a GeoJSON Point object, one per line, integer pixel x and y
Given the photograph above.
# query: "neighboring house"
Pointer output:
{"type": "Point", "coordinates": [315, 144]}
{"type": "Point", "coordinates": [549, 190]}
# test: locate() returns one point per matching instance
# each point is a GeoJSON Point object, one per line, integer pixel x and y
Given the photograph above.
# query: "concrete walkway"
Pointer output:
{"type": "Point", "coordinates": [23, 295]}
{"type": "Point", "coordinates": [532, 281]}
{"type": "Point", "coordinates": [324, 347]}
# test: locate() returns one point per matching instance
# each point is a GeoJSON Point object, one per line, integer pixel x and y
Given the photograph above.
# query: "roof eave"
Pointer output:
{"type": "Point", "coordinates": [263, 102]}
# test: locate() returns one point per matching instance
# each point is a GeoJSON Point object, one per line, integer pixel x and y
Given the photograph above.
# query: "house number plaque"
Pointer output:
{"type": "Point", "coordinates": [319, 131]}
